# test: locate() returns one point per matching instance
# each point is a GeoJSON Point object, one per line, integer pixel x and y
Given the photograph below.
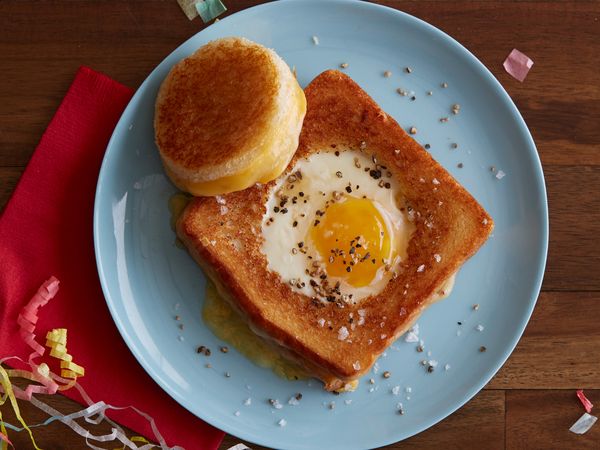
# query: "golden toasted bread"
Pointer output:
{"type": "Point", "coordinates": [224, 237]}
{"type": "Point", "coordinates": [228, 116]}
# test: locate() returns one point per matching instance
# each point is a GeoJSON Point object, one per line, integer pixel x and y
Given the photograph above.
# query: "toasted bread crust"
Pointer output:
{"type": "Point", "coordinates": [449, 222]}
{"type": "Point", "coordinates": [224, 107]}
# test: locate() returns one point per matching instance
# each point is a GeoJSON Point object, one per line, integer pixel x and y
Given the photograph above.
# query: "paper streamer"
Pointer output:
{"type": "Point", "coordinates": [27, 319]}
{"type": "Point", "coordinates": [8, 393]}
{"type": "Point", "coordinates": [4, 440]}
{"type": "Point", "coordinates": [210, 9]}
{"type": "Point", "coordinates": [56, 341]}
{"type": "Point", "coordinates": [49, 383]}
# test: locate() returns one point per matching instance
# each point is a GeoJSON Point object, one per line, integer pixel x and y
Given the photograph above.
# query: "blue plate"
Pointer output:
{"type": "Point", "coordinates": [147, 279]}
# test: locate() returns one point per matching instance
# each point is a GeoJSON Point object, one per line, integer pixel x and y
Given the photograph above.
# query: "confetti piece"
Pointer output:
{"type": "Point", "coordinates": [210, 9]}
{"type": "Point", "coordinates": [188, 7]}
{"type": "Point", "coordinates": [517, 64]}
{"type": "Point", "coordinates": [583, 424]}
{"type": "Point", "coordinates": [584, 401]}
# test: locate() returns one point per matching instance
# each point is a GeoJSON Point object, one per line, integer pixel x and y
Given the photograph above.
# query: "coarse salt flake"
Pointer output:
{"type": "Point", "coordinates": [321, 322]}
{"type": "Point", "coordinates": [437, 257]}
{"type": "Point", "coordinates": [500, 174]}
{"type": "Point", "coordinates": [435, 181]}
{"type": "Point", "coordinates": [220, 200]}
{"type": "Point", "coordinates": [224, 210]}
{"type": "Point", "coordinates": [447, 367]}
{"type": "Point", "coordinates": [248, 402]}
{"type": "Point", "coordinates": [348, 401]}
{"type": "Point", "coordinates": [315, 40]}
{"type": "Point", "coordinates": [282, 423]}
{"type": "Point", "coordinates": [236, 414]}
{"type": "Point", "coordinates": [293, 401]}
{"type": "Point", "coordinates": [518, 64]}
{"type": "Point", "coordinates": [413, 334]}
{"type": "Point", "coordinates": [421, 268]}
{"type": "Point", "coordinates": [396, 390]}
{"type": "Point", "coordinates": [479, 327]}
{"type": "Point", "coordinates": [356, 365]}
{"type": "Point", "coordinates": [343, 333]}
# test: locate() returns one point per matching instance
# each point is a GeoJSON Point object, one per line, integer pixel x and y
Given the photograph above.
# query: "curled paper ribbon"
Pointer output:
{"type": "Point", "coordinates": [56, 341]}
{"type": "Point", "coordinates": [49, 383]}
{"type": "Point", "coordinates": [28, 318]}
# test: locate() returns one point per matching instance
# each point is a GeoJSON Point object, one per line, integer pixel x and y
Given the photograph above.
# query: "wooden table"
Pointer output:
{"type": "Point", "coordinates": [531, 402]}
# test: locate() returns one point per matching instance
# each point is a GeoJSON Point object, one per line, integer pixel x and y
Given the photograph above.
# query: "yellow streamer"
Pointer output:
{"type": "Point", "coordinates": [56, 341]}
{"type": "Point", "coordinates": [7, 386]}
{"type": "Point", "coordinates": [3, 443]}
{"type": "Point", "coordinates": [141, 439]}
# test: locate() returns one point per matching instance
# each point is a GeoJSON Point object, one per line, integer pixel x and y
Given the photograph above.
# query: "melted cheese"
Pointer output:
{"type": "Point", "coordinates": [177, 203]}
{"type": "Point", "coordinates": [227, 325]}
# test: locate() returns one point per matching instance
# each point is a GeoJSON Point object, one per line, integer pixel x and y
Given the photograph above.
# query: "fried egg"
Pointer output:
{"type": "Point", "coordinates": [335, 228]}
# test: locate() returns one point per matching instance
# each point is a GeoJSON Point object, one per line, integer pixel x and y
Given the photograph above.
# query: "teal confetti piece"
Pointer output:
{"type": "Point", "coordinates": [210, 9]}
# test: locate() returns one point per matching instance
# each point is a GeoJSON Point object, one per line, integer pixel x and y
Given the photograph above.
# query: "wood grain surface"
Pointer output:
{"type": "Point", "coordinates": [531, 402]}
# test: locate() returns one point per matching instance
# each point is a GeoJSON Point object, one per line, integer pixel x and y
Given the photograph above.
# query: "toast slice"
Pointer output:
{"type": "Point", "coordinates": [224, 237]}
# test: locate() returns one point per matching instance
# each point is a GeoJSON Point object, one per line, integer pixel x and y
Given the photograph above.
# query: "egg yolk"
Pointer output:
{"type": "Point", "coordinates": [353, 241]}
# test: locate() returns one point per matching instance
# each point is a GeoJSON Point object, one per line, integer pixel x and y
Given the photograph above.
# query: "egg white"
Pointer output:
{"type": "Point", "coordinates": [322, 174]}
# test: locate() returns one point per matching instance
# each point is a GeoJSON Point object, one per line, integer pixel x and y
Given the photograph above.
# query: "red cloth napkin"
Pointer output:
{"type": "Point", "coordinates": [46, 229]}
